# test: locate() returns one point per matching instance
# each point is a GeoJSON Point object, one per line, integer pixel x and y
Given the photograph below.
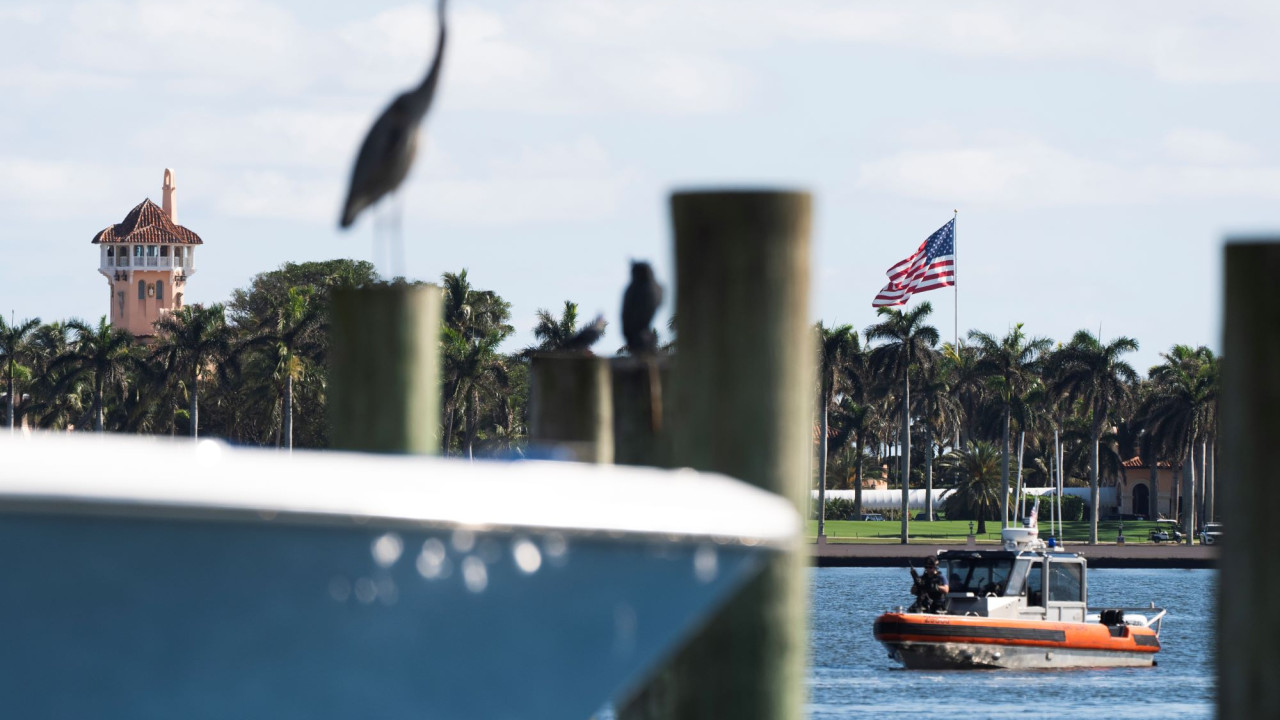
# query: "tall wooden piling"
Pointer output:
{"type": "Point", "coordinates": [571, 406]}
{"type": "Point", "coordinates": [1248, 628]}
{"type": "Point", "coordinates": [742, 396]}
{"type": "Point", "coordinates": [384, 376]}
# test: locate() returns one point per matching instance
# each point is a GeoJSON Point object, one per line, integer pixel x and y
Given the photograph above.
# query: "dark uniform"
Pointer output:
{"type": "Point", "coordinates": [930, 590]}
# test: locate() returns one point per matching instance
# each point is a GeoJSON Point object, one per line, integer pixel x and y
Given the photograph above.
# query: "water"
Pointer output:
{"type": "Point", "coordinates": [851, 676]}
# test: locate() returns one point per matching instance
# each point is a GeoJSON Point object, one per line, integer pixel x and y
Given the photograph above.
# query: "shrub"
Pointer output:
{"type": "Point", "coordinates": [838, 509]}
{"type": "Point", "coordinates": [1073, 508]}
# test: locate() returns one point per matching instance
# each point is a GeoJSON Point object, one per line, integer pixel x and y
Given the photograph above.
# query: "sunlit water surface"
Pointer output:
{"type": "Point", "coordinates": [850, 674]}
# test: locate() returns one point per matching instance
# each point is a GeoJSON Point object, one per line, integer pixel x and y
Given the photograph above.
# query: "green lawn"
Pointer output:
{"type": "Point", "coordinates": [942, 531]}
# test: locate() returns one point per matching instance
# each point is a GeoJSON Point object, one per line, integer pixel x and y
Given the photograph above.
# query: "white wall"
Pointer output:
{"type": "Point", "coordinates": [879, 500]}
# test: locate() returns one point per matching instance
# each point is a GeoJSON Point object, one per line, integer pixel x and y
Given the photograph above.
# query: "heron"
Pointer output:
{"type": "Point", "coordinates": [387, 151]}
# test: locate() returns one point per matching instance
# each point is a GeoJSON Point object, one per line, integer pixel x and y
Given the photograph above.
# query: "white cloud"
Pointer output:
{"type": "Point", "coordinates": [559, 182]}
{"type": "Point", "coordinates": [1183, 41]}
{"type": "Point", "coordinates": [53, 82]}
{"type": "Point", "coordinates": [530, 61]}
{"type": "Point", "coordinates": [282, 137]}
{"type": "Point", "coordinates": [1207, 147]}
{"type": "Point", "coordinates": [564, 182]}
{"type": "Point", "coordinates": [1023, 172]}
{"type": "Point", "coordinates": [26, 14]}
{"type": "Point", "coordinates": [186, 46]}
{"type": "Point", "coordinates": [54, 188]}
{"type": "Point", "coordinates": [276, 195]}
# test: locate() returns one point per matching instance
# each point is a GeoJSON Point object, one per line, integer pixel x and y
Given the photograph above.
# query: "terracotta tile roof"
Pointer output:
{"type": "Point", "coordinates": [1136, 462]}
{"type": "Point", "coordinates": [147, 223]}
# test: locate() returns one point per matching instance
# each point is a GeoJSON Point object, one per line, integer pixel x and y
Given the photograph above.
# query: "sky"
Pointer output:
{"type": "Point", "coordinates": [1097, 153]}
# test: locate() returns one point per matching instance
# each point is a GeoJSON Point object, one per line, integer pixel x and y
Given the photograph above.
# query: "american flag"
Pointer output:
{"type": "Point", "coordinates": [930, 267]}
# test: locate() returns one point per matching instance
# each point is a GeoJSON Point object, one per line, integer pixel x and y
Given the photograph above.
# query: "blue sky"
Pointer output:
{"type": "Point", "coordinates": [1097, 152]}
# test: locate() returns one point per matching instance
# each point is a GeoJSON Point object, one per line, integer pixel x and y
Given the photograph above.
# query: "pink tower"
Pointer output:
{"type": "Point", "coordinates": [146, 259]}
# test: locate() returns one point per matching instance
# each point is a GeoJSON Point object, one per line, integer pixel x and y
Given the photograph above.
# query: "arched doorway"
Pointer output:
{"type": "Point", "coordinates": [1141, 500]}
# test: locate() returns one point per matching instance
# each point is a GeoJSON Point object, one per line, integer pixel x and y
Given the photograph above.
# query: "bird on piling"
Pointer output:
{"type": "Point", "coordinates": [387, 151]}
{"type": "Point", "coordinates": [639, 304]}
{"type": "Point", "coordinates": [586, 337]}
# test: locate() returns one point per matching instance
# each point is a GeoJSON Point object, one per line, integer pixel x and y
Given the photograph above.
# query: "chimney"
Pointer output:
{"type": "Point", "coordinates": [168, 202]}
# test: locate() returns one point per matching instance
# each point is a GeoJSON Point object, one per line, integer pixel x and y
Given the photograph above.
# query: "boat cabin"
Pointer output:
{"type": "Point", "coordinates": [1022, 583]}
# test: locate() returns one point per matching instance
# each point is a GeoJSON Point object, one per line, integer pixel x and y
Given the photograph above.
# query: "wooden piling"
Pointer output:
{"type": "Point", "coordinates": [1248, 628]}
{"type": "Point", "coordinates": [384, 376]}
{"type": "Point", "coordinates": [742, 404]}
{"type": "Point", "coordinates": [639, 436]}
{"type": "Point", "coordinates": [571, 406]}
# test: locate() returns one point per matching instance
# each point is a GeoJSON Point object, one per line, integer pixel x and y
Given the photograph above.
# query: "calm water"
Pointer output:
{"type": "Point", "coordinates": [851, 675]}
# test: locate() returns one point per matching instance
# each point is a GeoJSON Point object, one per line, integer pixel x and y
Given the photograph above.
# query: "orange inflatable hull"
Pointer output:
{"type": "Point", "coordinates": [921, 641]}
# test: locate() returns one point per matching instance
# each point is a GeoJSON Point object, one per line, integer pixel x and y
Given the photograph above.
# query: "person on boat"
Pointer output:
{"type": "Point", "coordinates": [930, 589]}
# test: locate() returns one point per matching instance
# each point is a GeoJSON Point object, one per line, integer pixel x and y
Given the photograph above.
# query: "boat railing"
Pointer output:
{"type": "Point", "coordinates": [1139, 612]}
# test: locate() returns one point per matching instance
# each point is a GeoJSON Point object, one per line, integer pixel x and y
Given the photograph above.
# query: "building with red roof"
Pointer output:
{"type": "Point", "coordinates": [147, 258]}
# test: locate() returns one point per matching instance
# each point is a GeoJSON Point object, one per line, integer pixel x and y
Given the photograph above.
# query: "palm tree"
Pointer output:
{"type": "Point", "coordinates": [193, 341]}
{"type": "Point", "coordinates": [475, 323]}
{"type": "Point", "coordinates": [554, 333]}
{"type": "Point", "coordinates": [1093, 375]}
{"type": "Point", "coordinates": [55, 402]}
{"type": "Point", "coordinates": [978, 492]}
{"type": "Point", "coordinates": [473, 313]}
{"type": "Point", "coordinates": [1180, 413]}
{"type": "Point", "coordinates": [967, 385]}
{"type": "Point", "coordinates": [909, 343]}
{"type": "Point", "coordinates": [291, 333]}
{"type": "Point", "coordinates": [13, 343]}
{"type": "Point", "coordinates": [861, 419]}
{"type": "Point", "coordinates": [103, 355]}
{"type": "Point", "coordinates": [940, 414]}
{"type": "Point", "coordinates": [470, 365]}
{"type": "Point", "coordinates": [836, 349]}
{"type": "Point", "coordinates": [1010, 366]}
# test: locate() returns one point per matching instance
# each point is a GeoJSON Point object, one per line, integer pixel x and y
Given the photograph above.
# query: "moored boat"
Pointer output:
{"type": "Point", "coordinates": [1022, 605]}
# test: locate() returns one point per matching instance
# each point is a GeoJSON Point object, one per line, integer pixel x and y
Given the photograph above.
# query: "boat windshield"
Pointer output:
{"type": "Point", "coordinates": [980, 576]}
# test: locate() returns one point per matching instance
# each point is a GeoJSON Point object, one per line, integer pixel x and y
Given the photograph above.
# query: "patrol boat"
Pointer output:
{"type": "Point", "coordinates": [1023, 605]}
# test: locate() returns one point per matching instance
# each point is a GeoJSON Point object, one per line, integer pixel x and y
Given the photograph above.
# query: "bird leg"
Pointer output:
{"type": "Point", "coordinates": [396, 249]}
{"type": "Point", "coordinates": [379, 238]}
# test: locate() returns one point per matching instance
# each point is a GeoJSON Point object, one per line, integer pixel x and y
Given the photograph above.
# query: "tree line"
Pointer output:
{"type": "Point", "coordinates": [252, 370]}
{"type": "Point", "coordinates": [980, 410]}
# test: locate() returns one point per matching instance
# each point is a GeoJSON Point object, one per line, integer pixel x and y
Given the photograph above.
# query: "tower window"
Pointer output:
{"type": "Point", "coordinates": [159, 289]}
{"type": "Point", "coordinates": [142, 289]}
{"type": "Point", "coordinates": [111, 251]}
{"type": "Point", "coordinates": [164, 251]}
{"type": "Point", "coordinates": [137, 251]}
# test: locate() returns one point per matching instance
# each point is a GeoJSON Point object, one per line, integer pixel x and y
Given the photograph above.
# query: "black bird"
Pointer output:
{"type": "Point", "coordinates": [387, 152]}
{"type": "Point", "coordinates": [639, 303]}
{"type": "Point", "coordinates": [586, 337]}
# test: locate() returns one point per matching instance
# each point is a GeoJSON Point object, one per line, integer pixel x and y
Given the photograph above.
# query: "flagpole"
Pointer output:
{"type": "Point", "coordinates": [955, 252]}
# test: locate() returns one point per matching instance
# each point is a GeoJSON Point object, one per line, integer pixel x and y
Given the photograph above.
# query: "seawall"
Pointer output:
{"type": "Point", "coordinates": [1099, 556]}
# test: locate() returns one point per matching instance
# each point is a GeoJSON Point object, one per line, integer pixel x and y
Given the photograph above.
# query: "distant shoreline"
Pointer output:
{"type": "Point", "coordinates": [1109, 555]}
